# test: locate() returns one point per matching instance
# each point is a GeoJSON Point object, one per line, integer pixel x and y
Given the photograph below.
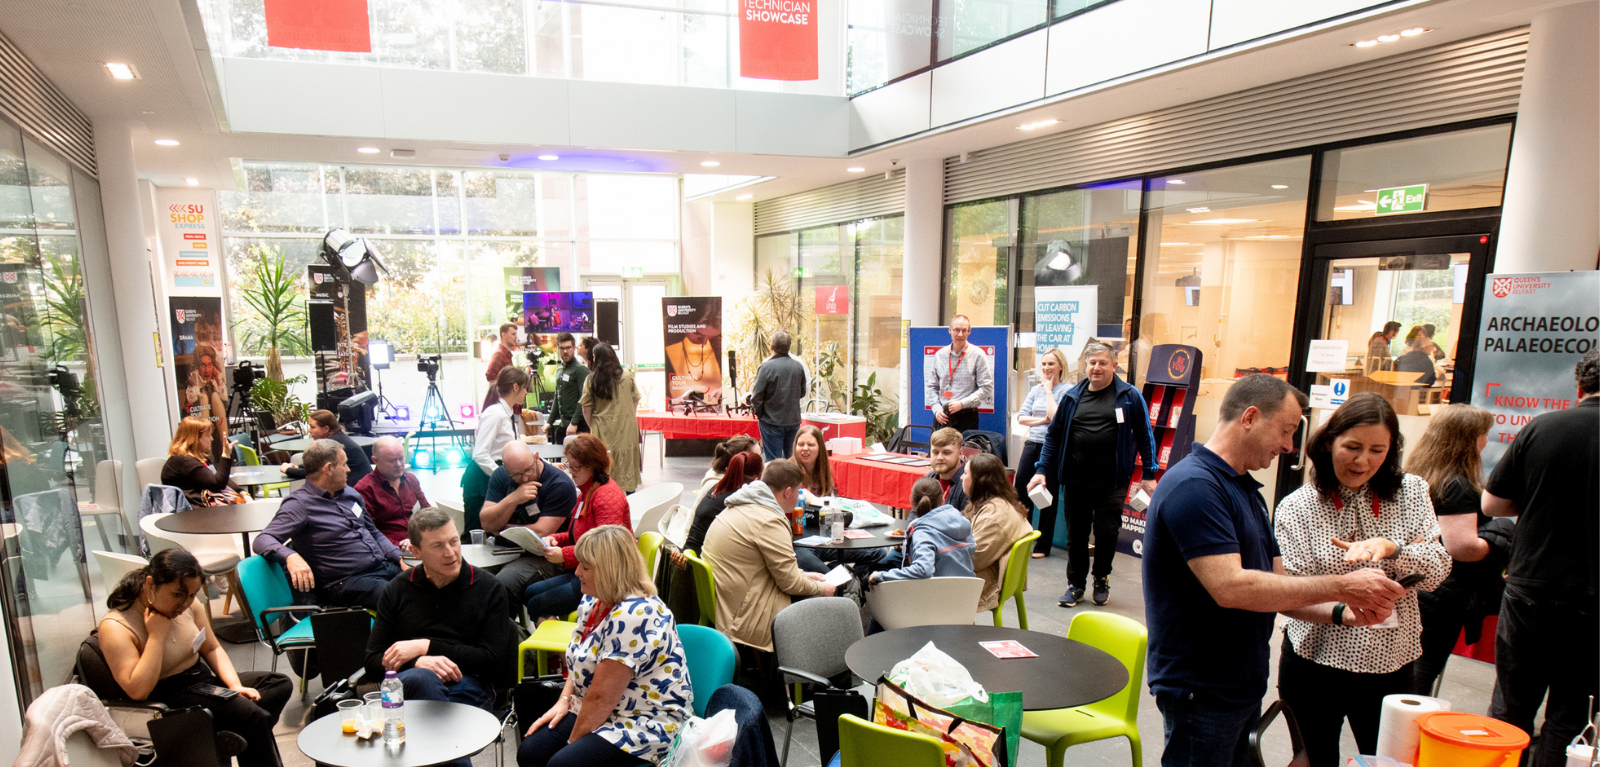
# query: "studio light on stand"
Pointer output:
{"type": "Point", "coordinates": [1058, 257]}
{"type": "Point", "coordinates": [381, 355]}
{"type": "Point", "coordinates": [352, 257]}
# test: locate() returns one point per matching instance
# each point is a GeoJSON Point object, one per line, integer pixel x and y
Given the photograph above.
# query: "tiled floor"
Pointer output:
{"type": "Point", "coordinates": [1467, 683]}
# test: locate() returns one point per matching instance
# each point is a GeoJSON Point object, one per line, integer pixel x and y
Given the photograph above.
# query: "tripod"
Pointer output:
{"type": "Point", "coordinates": [433, 407]}
{"type": "Point", "coordinates": [385, 407]}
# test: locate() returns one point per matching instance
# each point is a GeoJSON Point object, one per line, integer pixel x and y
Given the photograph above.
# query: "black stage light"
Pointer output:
{"type": "Point", "coordinates": [352, 257]}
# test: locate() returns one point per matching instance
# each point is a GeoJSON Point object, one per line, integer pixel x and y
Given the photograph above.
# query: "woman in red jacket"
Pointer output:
{"type": "Point", "coordinates": [600, 502]}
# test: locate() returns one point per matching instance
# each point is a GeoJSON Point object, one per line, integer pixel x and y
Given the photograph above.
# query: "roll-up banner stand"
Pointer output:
{"type": "Point", "coordinates": [692, 338]}
{"type": "Point", "coordinates": [994, 340]}
{"type": "Point", "coordinates": [1534, 330]}
{"type": "Point", "coordinates": [197, 363]}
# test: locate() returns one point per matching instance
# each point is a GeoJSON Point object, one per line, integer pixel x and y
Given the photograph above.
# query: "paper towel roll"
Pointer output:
{"type": "Point", "coordinates": [1398, 737]}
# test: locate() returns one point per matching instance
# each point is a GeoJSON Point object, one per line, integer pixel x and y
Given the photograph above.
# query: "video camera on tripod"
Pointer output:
{"type": "Point", "coordinates": [429, 366]}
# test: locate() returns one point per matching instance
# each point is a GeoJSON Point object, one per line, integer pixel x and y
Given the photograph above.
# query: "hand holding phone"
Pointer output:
{"type": "Point", "coordinates": [213, 691]}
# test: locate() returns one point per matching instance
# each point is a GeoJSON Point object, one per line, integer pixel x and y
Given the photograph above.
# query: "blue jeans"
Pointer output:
{"type": "Point", "coordinates": [553, 596]}
{"type": "Point", "coordinates": [777, 441]}
{"type": "Point", "coordinates": [1203, 734]}
{"type": "Point", "coordinates": [422, 684]}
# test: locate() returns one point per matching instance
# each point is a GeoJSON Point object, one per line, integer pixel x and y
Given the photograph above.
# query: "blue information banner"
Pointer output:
{"type": "Point", "coordinates": [995, 341]}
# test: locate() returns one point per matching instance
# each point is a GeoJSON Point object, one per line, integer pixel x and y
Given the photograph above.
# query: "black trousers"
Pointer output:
{"type": "Point", "coordinates": [548, 747]}
{"type": "Point", "coordinates": [1099, 510]}
{"type": "Point", "coordinates": [1546, 644]}
{"type": "Point", "coordinates": [1444, 614]}
{"type": "Point", "coordinates": [964, 420]}
{"type": "Point", "coordinates": [1323, 697]}
{"type": "Point", "coordinates": [1047, 517]}
{"type": "Point", "coordinates": [248, 719]}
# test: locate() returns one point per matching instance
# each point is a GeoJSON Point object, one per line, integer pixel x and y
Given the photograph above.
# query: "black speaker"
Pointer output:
{"type": "Point", "coordinates": [607, 328]}
{"type": "Point", "coordinates": [733, 370]}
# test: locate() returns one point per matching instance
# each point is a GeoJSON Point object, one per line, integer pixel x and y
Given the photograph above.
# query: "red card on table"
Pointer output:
{"type": "Point", "coordinates": [857, 534]}
{"type": "Point", "coordinates": [1008, 648]}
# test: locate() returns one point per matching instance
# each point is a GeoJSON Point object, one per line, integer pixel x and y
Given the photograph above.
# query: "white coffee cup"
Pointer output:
{"type": "Point", "coordinates": [1041, 497]}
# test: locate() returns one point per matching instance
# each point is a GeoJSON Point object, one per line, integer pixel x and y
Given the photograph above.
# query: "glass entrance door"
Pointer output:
{"type": "Point", "coordinates": [640, 315]}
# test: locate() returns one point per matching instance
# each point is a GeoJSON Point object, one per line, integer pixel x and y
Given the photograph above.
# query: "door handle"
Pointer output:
{"type": "Point", "coordinates": [1305, 433]}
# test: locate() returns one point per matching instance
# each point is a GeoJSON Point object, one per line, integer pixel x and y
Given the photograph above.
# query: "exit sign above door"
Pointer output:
{"type": "Point", "coordinates": [1405, 199]}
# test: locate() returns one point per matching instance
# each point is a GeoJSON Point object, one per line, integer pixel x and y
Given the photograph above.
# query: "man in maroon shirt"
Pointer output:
{"type": "Point", "coordinates": [501, 358]}
{"type": "Point", "coordinates": [390, 492]}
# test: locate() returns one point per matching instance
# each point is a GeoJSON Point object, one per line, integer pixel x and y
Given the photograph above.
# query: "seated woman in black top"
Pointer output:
{"type": "Point", "coordinates": [325, 425]}
{"type": "Point", "coordinates": [198, 462]}
{"type": "Point", "coordinates": [743, 469]}
{"type": "Point", "coordinates": [1416, 359]}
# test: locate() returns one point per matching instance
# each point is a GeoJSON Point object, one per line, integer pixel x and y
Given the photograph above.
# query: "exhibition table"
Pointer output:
{"type": "Point", "coordinates": [707, 426]}
{"type": "Point", "coordinates": [436, 732]}
{"type": "Point", "coordinates": [875, 481]}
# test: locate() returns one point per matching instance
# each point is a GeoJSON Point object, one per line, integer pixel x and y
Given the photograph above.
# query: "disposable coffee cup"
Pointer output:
{"type": "Point", "coordinates": [1041, 497]}
{"type": "Point", "coordinates": [477, 537]}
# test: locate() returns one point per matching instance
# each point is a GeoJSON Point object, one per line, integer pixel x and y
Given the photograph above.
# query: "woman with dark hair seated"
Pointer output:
{"type": "Point", "coordinates": [158, 642]}
{"type": "Point", "coordinates": [325, 425]}
{"type": "Point", "coordinates": [1359, 511]}
{"type": "Point", "coordinates": [742, 469]}
{"type": "Point", "coordinates": [198, 462]}
{"type": "Point", "coordinates": [725, 451]}
{"type": "Point", "coordinates": [600, 502]}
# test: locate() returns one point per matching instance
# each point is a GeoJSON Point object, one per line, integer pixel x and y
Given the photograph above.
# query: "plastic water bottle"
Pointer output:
{"type": "Point", "coordinates": [394, 710]}
{"type": "Point", "coordinates": [835, 521]}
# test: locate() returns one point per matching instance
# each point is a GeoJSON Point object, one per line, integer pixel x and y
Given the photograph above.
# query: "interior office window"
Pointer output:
{"type": "Point", "coordinates": [887, 39]}
{"type": "Point", "coordinates": [617, 205]}
{"type": "Point", "coordinates": [1222, 269]}
{"type": "Point", "coordinates": [1085, 236]}
{"type": "Point", "coordinates": [875, 302]}
{"type": "Point", "coordinates": [1447, 171]}
{"type": "Point", "coordinates": [978, 251]}
{"type": "Point", "coordinates": [490, 35]}
{"type": "Point", "coordinates": [966, 25]}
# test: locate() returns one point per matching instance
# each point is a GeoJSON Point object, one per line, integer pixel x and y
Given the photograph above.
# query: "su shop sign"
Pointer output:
{"type": "Point", "coordinates": [833, 300]}
{"type": "Point", "coordinates": [778, 39]}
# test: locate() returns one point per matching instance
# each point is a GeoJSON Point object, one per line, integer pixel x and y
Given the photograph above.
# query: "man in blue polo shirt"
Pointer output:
{"type": "Point", "coordinates": [1213, 578]}
{"type": "Point", "coordinates": [524, 491]}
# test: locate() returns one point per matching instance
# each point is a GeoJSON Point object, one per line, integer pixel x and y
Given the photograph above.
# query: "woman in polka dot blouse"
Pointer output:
{"type": "Point", "coordinates": [1360, 510]}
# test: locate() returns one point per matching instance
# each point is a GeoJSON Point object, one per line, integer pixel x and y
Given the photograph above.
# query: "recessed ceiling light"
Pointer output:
{"type": "Point", "coordinates": [367, 149]}
{"type": "Point", "coordinates": [745, 197]}
{"type": "Point", "coordinates": [1366, 43]}
{"type": "Point", "coordinates": [1038, 124]}
{"type": "Point", "coordinates": [1414, 31]}
{"type": "Point", "coordinates": [1389, 38]}
{"type": "Point", "coordinates": [1178, 181]}
{"type": "Point", "coordinates": [166, 142]}
{"type": "Point", "coordinates": [1225, 221]}
{"type": "Point", "coordinates": [1392, 37]}
{"type": "Point", "coordinates": [709, 163]}
{"type": "Point", "coordinates": [854, 170]}
{"type": "Point", "coordinates": [549, 157]}
{"type": "Point", "coordinates": [119, 71]}
{"type": "Point", "coordinates": [1170, 244]}
{"type": "Point", "coordinates": [1201, 209]}
{"type": "Point", "coordinates": [1280, 186]}
{"type": "Point", "coordinates": [192, 181]}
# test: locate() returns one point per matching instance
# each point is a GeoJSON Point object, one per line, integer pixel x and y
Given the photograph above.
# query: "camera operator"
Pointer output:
{"type": "Point", "coordinates": [566, 417]}
{"type": "Point", "coordinates": [501, 358]}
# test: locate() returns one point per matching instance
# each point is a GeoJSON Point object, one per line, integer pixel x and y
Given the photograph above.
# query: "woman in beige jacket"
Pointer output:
{"type": "Point", "coordinates": [751, 552]}
{"type": "Point", "coordinates": [998, 521]}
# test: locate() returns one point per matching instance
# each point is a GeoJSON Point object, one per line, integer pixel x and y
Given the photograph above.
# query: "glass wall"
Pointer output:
{"type": "Point", "coordinates": [52, 438]}
{"type": "Point", "coordinates": [1457, 171]}
{"type": "Point", "coordinates": [978, 255]}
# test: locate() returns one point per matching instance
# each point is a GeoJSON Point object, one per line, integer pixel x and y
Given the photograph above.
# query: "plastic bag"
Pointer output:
{"type": "Point", "coordinates": [704, 742]}
{"type": "Point", "coordinates": [936, 678]}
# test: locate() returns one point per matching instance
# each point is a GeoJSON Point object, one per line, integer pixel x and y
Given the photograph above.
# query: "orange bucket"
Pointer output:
{"type": "Point", "coordinates": [1451, 739]}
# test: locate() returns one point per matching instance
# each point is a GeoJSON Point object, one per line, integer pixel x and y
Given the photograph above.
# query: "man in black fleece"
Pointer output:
{"type": "Point", "coordinates": [442, 625]}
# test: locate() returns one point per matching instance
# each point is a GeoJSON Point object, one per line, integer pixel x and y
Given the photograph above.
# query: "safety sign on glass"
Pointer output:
{"type": "Point", "coordinates": [1330, 395]}
{"type": "Point", "coordinates": [1405, 199]}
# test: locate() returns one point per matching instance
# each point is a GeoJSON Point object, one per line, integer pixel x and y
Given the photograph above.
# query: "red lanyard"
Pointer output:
{"type": "Point", "coordinates": [599, 613]}
{"type": "Point", "coordinates": [955, 363]}
{"type": "Point", "coordinates": [1338, 504]}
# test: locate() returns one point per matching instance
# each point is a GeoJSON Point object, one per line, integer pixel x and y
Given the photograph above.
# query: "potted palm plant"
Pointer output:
{"type": "Point", "coordinates": [279, 324]}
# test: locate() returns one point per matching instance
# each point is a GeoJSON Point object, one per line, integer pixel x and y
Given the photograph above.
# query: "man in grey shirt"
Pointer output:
{"type": "Point", "coordinates": [775, 398]}
{"type": "Point", "coordinates": [958, 379]}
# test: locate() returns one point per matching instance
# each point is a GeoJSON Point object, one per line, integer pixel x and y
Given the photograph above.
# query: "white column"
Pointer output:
{"type": "Point", "coordinates": [924, 248]}
{"type": "Point", "coordinates": [132, 272]}
{"type": "Point", "coordinates": [1551, 215]}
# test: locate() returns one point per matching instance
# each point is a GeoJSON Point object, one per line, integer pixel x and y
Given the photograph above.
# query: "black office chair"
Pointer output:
{"type": "Point", "coordinates": [904, 440]}
{"type": "Point", "coordinates": [1296, 746]}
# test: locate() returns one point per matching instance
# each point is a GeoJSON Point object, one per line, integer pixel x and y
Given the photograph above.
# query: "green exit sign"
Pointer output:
{"type": "Point", "coordinates": [1405, 199]}
{"type": "Point", "coordinates": [633, 272]}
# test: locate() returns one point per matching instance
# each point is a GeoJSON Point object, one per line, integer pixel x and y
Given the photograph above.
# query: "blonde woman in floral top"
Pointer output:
{"type": "Point", "coordinates": [1359, 511]}
{"type": "Point", "coordinates": [627, 686]}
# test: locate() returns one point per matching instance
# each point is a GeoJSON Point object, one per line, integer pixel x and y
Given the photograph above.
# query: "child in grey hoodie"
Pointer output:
{"type": "Point", "coordinates": [938, 542]}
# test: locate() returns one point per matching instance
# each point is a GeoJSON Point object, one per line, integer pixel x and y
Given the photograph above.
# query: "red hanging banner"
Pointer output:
{"type": "Point", "coordinates": [778, 39]}
{"type": "Point", "coordinates": [833, 300]}
{"type": "Point", "coordinates": [319, 25]}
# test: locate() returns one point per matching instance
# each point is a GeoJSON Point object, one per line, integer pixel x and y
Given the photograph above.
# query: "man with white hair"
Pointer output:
{"type": "Point", "coordinates": [391, 493]}
{"type": "Point", "coordinates": [524, 491]}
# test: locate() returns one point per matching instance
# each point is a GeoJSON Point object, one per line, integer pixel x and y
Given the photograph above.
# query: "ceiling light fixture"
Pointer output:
{"type": "Point", "coordinates": [709, 163]}
{"type": "Point", "coordinates": [1366, 43]}
{"type": "Point", "coordinates": [1389, 37]}
{"type": "Point", "coordinates": [1178, 181]}
{"type": "Point", "coordinates": [120, 71]}
{"type": "Point", "coordinates": [549, 157]}
{"type": "Point", "coordinates": [1280, 186]}
{"type": "Point", "coordinates": [854, 170]}
{"type": "Point", "coordinates": [192, 181]}
{"type": "Point", "coordinates": [1201, 209]}
{"type": "Point", "coordinates": [367, 149]}
{"type": "Point", "coordinates": [1413, 32]}
{"type": "Point", "coordinates": [744, 197]}
{"type": "Point", "coordinates": [1038, 124]}
{"type": "Point", "coordinates": [166, 142]}
{"type": "Point", "coordinates": [1225, 221]}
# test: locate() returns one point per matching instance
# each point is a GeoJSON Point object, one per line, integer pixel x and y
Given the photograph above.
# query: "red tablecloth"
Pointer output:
{"type": "Point", "coordinates": [875, 481]}
{"type": "Point", "coordinates": [674, 426]}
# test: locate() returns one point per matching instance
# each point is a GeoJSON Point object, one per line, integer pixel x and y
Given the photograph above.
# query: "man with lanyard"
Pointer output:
{"type": "Point", "coordinates": [524, 491]}
{"type": "Point", "coordinates": [958, 380]}
{"type": "Point", "coordinates": [338, 553]}
{"type": "Point", "coordinates": [391, 493]}
{"type": "Point", "coordinates": [501, 358]}
{"type": "Point", "coordinates": [1548, 643]}
{"type": "Point", "coordinates": [566, 419]}
{"type": "Point", "coordinates": [1087, 456]}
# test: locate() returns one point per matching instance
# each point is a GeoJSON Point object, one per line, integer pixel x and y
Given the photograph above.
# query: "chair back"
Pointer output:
{"type": "Point", "coordinates": [864, 744]}
{"type": "Point", "coordinates": [247, 455]}
{"type": "Point", "coordinates": [1126, 640]}
{"type": "Point", "coordinates": [711, 659]}
{"type": "Point", "coordinates": [108, 485]}
{"type": "Point", "coordinates": [341, 637]}
{"type": "Point", "coordinates": [265, 586]}
{"type": "Point", "coordinates": [705, 588]}
{"type": "Point", "coordinates": [812, 635]}
{"type": "Point", "coordinates": [648, 506]}
{"type": "Point", "coordinates": [649, 547]}
{"type": "Point", "coordinates": [912, 437]}
{"type": "Point", "coordinates": [149, 471]}
{"type": "Point", "coordinates": [1297, 746]}
{"type": "Point", "coordinates": [95, 673]}
{"type": "Point", "coordinates": [113, 567]}
{"type": "Point", "coordinates": [1015, 578]}
{"type": "Point", "coordinates": [155, 536]}
{"type": "Point", "coordinates": [925, 602]}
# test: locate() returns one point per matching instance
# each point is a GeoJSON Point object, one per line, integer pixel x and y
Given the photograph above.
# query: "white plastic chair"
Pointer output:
{"type": "Point", "coordinates": [114, 566]}
{"type": "Point", "coordinates": [455, 509]}
{"type": "Point", "coordinates": [218, 554]}
{"type": "Point", "coordinates": [108, 497]}
{"type": "Point", "coordinates": [646, 507]}
{"type": "Point", "coordinates": [149, 471]}
{"type": "Point", "coordinates": [925, 602]}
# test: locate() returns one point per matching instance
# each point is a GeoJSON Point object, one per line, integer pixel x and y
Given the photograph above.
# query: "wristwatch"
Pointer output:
{"type": "Point", "coordinates": [1398, 546]}
{"type": "Point", "coordinates": [1338, 614]}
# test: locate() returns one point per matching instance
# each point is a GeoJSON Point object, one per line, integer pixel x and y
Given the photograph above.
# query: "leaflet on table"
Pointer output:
{"type": "Point", "coordinates": [857, 534]}
{"type": "Point", "coordinates": [1009, 648]}
{"type": "Point", "coordinates": [813, 540]}
{"type": "Point", "coordinates": [838, 576]}
{"type": "Point", "coordinates": [523, 537]}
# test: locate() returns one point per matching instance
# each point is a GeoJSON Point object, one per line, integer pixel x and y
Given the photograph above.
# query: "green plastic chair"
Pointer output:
{"type": "Point", "coordinates": [711, 659]}
{"type": "Point", "coordinates": [267, 596]}
{"type": "Point", "coordinates": [705, 588]}
{"type": "Point", "coordinates": [1015, 580]}
{"type": "Point", "coordinates": [649, 545]}
{"type": "Point", "coordinates": [864, 744]}
{"type": "Point", "coordinates": [1060, 729]}
{"type": "Point", "coordinates": [249, 457]}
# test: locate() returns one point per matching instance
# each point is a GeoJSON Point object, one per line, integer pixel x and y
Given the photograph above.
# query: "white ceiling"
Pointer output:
{"type": "Point", "coordinates": [68, 40]}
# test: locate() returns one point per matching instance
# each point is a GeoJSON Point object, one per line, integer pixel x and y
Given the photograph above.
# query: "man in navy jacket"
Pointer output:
{"type": "Point", "coordinates": [1088, 458]}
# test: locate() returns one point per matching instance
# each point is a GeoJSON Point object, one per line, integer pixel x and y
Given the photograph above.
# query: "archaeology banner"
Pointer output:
{"type": "Point", "coordinates": [1535, 329]}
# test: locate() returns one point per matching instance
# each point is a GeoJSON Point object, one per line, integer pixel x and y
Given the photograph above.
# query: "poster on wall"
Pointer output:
{"type": "Point", "coordinates": [1534, 330]}
{"type": "Point", "coordinates": [197, 365]}
{"type": "Point", "coordinates": [1065, 318]}
{"type": "Point", "coordinates": [778, 39]}
{"type": "Point", "coordinates": [528, 279]}
{"type": "Point", "coordinates": [191, 249]}
{"type": "Point", "coordinates": [692, 332]}
{"type": "Point", "coordinates": [995, 342]}
{"type": "Point", "coordinates": [19, 333]}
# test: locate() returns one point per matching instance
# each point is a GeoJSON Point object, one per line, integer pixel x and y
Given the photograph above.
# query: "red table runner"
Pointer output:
{"type": "Point", "coordinates": [674, 426]}
{"type": "Point", "coordinates": [875, 481]}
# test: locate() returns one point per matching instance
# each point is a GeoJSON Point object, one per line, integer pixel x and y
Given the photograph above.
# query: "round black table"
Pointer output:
{"type": "Point", "coordinates": [879, 539]}
{"type": "Point", "coordinates": [436, 732]}
{"type": "Point", "coordinates": [256, 476]}
{"type": "Point", "coordinates": [1066, 673]}
{"type": "Point", "coordinates": [299, 444]}
{"type": "Point", "coordinates": [244, 519]}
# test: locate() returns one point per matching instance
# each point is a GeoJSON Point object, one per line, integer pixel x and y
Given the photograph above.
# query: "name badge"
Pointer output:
{"type": "Point", "coordinates": [1120, 415]}
{"type": "Point", "coordinates": [416, 506]}
{"type": "Point", "coordinates": [199, 639]}
{"type": "Point", "coordinates": [949, 395]}
{"type": "Point", "coordinates": [566, 376]}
